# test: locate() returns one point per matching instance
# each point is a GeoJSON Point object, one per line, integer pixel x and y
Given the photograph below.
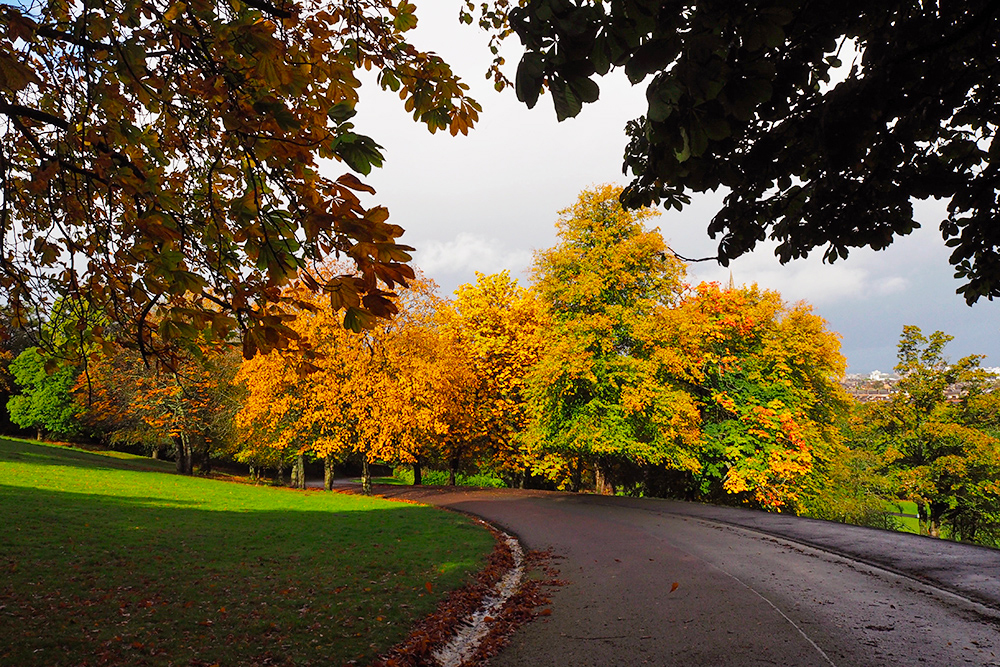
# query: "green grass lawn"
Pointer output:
{"type": "Point", "coordinates": [907, 524]}
{"type": "Point", "coordinates": [104, 561]}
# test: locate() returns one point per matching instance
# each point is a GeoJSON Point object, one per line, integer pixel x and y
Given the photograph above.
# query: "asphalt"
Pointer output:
{"type": "Point", "coordinates": [667, 583]}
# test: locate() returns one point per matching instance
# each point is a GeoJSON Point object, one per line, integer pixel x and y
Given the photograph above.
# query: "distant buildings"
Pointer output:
{"type": "Point", "coordinates": [876, 386]}
{"type": "Point", "coordinates": [879, 386]}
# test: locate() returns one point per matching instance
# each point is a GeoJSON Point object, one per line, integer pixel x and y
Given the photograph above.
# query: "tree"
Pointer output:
{"type": "Point", "coordinates": [163, 157]}
{"type": "Point", "coordinates": [45, 403]}
{"type": "Point", "coordinates": [595, 395]}
{"type": "Point", "coordinates": [495, 324]}
{"type": "Point", "coordinates": [352, 398]}
{"type": "Point", "coordinates": [742, 96]}
{"type": "Point", "coordinates": [932, 447]}
{"type": "Point", "coordinates": [189, 406]}
{"type": "Point", "coordinates": [764, 377]}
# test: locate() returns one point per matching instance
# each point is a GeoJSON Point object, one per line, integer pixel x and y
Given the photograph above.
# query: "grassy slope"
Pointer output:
{"type": "Point", "coordinates": [906, 524]}
{"type": "Point", "coordinates": [104, 562]}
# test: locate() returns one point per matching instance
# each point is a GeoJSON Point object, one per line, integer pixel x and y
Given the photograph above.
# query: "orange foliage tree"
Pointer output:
{"type": "Point", "coordinates": [188, 407]}
{"type": "Point", "coordinates": [354, 395]}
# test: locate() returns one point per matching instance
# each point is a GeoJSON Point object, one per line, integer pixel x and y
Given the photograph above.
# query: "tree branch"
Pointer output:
{"type": "Point", "coordinates": [268, 8]}
{"type": "Point", "coordinates": [22, 111]}
{"type": "Point", "coordinates": [63, 36]}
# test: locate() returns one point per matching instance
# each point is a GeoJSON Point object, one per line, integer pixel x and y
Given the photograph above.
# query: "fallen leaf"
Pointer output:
{"type": "Point", "coordinates": [673, 586]}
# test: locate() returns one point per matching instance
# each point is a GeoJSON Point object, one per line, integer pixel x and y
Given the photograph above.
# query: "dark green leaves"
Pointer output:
{"type": "Point", "coordinates": [361, 153]}
{"type": "Point", "coordinates": [742, 98]}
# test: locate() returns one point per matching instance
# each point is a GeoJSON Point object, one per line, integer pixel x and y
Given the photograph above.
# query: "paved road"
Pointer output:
{"type": "Point", "coordinates": [752, 588]}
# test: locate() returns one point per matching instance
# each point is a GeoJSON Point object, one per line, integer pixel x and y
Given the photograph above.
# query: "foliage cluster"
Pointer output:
{"type": "Point", "coordinates": [937, 450]}
{"type": "Point", "coordinates": [165, 156]}
{"type": "Point", "coordinates": [824, 122]}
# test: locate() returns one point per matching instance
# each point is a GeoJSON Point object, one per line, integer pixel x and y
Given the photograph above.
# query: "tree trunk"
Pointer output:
{"type": "Point", "coordinates": [299, 472]}
{"type": "Point", "coordinates": [206, 458]}
{"type": "Point", "coordinates": [328, 473]}
{"type": "Point", "coordinates": [188, 455]}
{"type": "Point", "coordinates": [604, 487]}
{"type": "Point", "coordinates": [934, 520]}
{"type": "Point", "coordinates": [366, 477]}
{"type": "Point", "coordinates": [38, 433]}
{"type": "Point", "coordinates": [576, 479]}
{"type": "Point", "coordinates": [417, 474]}
{"type": "Point", "coordinates": [452, 473]}
{"type": "Point", "coordinates": [179, 460]}
{"type": "Point", "coordinates": [183, 454]}
{"type": "Point", "coordinates": [600, 485]}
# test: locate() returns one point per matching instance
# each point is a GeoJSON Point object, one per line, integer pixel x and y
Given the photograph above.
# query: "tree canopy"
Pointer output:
{"type": "Point", "coordinates": [938, 450]}
{"type": "Point", "coordinates": [748, 97]}
{"type": "Point", "coordinates": [163, 156]}
{"type": "Point", "coordinates": [596, 394]}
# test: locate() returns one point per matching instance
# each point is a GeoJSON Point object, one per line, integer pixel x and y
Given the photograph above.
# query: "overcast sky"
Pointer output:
{"type": "Point", "coordinates": [486, 201]}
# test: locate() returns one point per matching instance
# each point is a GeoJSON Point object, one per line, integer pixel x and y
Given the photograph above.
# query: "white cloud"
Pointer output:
{"type": "Point", "coordinates": [807, 280]}
{"type": "Point", "coordinates": [891, 285]}
{"type": "Point", "coordinates": [467, 253]}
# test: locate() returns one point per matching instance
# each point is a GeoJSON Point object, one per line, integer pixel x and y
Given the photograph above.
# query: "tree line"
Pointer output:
{"type": "Point", "coordinates": [610, 373]}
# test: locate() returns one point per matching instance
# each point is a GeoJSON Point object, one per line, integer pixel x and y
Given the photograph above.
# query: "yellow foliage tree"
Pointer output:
{"type": "Point", "coordinates": [598, 396]}
{"type": "Point", "coordinates": [493, 328]}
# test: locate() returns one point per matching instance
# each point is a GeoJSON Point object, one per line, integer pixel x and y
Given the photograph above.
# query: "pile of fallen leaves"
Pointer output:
{"type": "Point", "coordinates": [523, 606]}
{"type": "Point", "coordinates": [438, 628]}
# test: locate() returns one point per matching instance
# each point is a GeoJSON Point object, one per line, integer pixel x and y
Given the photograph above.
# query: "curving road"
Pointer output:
{"type": "Point", "coordinates": [752, 588]}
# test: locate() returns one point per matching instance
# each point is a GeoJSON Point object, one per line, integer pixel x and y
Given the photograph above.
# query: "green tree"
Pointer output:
{"type": "Point", "coordinates": [160, 160]}
{"type": "Point", "coordinates": [741, 96]}
{"type": "Point", "coordinates": [46, 402]}
{"type": "Point", "coordinates": [594, 396]}
{"type": "Point", "coordinates": [949, 468]}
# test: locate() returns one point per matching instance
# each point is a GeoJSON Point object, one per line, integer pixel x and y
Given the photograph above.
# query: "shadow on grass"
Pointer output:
{"type": "Point", "coordinates": [61, 455]}
{"type": "Point", "coordinates": [252, 576]}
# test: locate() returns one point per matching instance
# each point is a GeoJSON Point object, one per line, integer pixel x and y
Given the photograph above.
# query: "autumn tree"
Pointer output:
{"type": "Point", "coordinates": [494, 324]}
{"type": "Point", "coordinates": [187, 407]}
{"type": "Point", "coordinates": [352, 398]}
{"type": "Point", "coordinates": [764, 377]}
{"type": "Point", "coordinates": [935, 449]}
{"type": "Point", "coordinates": [163, 157]}
{"type": "Point", "coordinates": [596, 396]}
{"type": "Point", "coordinates": [823, 121]}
